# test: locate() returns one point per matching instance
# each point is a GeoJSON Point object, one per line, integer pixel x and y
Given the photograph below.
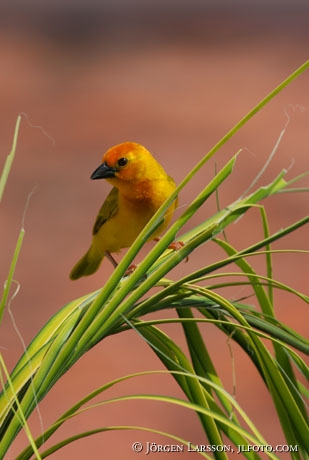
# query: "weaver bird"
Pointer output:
{"type": "Point", "coordinates": [140, 186]}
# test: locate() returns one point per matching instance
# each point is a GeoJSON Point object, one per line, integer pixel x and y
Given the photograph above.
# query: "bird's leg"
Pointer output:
{"type": "Point", "coordinates": [115, 264]}
{"type": "Point", "coordinates": [111, 258]}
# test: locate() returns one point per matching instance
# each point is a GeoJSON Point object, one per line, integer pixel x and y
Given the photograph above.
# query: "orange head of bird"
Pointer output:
{"type": "Point", "coordinates": [128, 162]}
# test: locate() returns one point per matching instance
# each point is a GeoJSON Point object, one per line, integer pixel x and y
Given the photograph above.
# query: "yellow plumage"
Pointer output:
{"type": "Point", "coordinates": [140, 186]}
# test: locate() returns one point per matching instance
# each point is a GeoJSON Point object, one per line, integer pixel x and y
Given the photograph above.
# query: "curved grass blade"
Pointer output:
{"type": "Point", "coordinates": [9, 159]}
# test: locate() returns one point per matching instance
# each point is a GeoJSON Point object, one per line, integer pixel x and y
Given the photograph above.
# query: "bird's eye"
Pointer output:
{"type": "Point", "coordinates": [122, 162]}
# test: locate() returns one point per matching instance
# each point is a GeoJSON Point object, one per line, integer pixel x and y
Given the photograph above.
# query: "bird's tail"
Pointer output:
{"type": "Point", "coordinates": [87, 265]}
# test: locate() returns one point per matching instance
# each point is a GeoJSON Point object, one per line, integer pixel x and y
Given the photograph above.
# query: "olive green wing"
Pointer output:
{"type": "Point", "coordinates": [108, 210]}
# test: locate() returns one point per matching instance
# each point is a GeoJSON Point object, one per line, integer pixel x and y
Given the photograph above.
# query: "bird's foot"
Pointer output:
{"type": "Point", "coordinates": [176, 245]}
{"type": "Point", "coordinates": [130, 270]}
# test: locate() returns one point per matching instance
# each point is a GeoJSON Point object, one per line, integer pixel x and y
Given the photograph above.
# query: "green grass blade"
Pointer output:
{"type": "Point", "coordinates": [8, 283]}
{"type": "Point", "coordinates": [9, 159]}
{"type": "Point", "coordinates": [77, 409]}
{"type": "Point", "coordinates": [15, 407]}
{"type": "Point", "coordinates": [182, 444]}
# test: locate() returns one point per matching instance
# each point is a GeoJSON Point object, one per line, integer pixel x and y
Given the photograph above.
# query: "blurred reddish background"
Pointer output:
{"type": "Point", "coordinates": [174, 76]}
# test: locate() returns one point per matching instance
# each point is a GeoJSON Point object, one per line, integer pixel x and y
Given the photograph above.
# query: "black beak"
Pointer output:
{"type": "Point", "coordinates": [103, 172]}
